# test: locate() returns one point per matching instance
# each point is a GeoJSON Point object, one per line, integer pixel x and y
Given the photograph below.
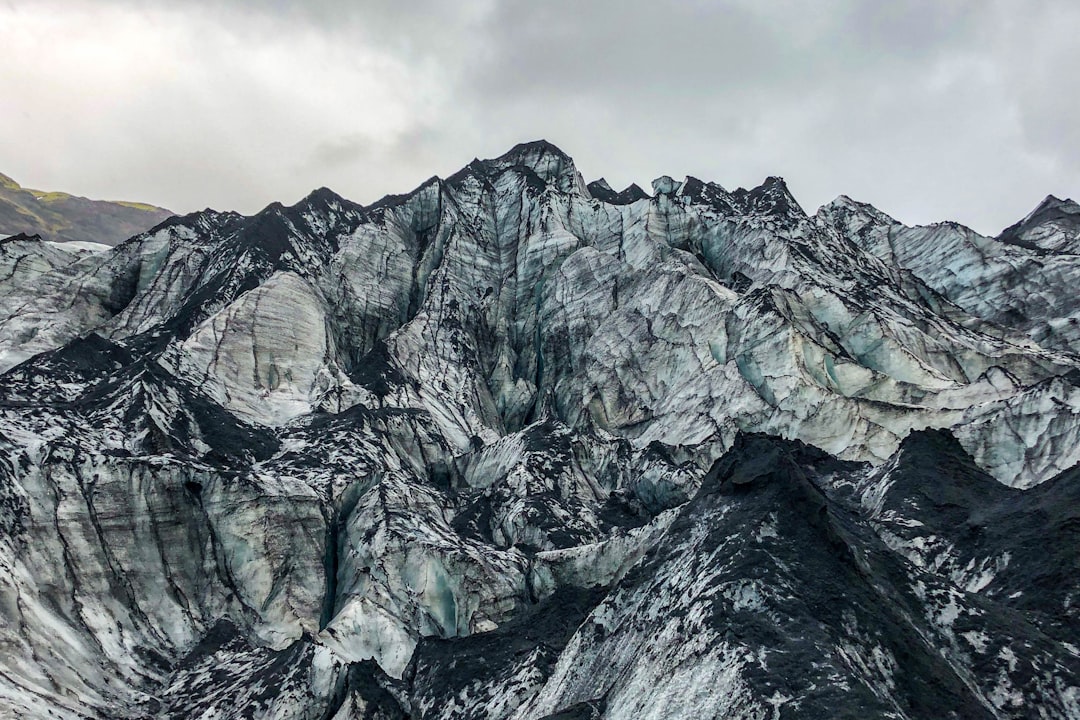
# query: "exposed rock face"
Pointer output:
{"type": "Point", "coordinates": [512, 446]}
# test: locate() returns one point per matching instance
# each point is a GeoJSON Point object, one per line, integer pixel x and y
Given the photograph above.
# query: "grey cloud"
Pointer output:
{"type": "Point", "coordinates": [344, 150]}
{"type": "Point", "coordinates": [712, 47]}
{"type": "Point", "coordinates": [906, 104]}
{"type": "Point", "coordinates": [413, 29]}
{"type": "Point", "coordinates": [1040, 56]}
{"type": "Point", "coordinates": [931, 109]}
{"type": "Point", "coordinates": [565, 47]}
{"type": "Point", "coordinates": [911, 29]}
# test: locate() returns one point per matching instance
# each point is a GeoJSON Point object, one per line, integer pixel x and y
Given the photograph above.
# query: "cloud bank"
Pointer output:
{"type": "Point", "coordinates": [931, 110]}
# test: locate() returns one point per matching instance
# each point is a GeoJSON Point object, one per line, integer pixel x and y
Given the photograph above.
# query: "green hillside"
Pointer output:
{"type": "Point", "coordinates": [67, 218]}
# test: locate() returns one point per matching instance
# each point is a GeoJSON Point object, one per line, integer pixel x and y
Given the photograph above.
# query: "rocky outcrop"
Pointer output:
{"type": "Point", "coordinates": [514, 446]}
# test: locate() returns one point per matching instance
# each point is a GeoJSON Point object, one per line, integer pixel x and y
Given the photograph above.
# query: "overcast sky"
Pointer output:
{"type": "Point", "coordinates": [929, 109]}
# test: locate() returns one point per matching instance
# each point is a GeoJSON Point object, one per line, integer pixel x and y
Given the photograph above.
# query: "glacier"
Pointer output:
{"type": "Point", "coordinates": [515, 445]}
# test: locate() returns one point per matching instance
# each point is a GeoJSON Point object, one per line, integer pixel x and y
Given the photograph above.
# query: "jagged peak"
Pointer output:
{"type": "Point", "coordinates": [317, 199]}
{"type": "Point", "coordinates": [1052, 202]}
{"type": "Point", "coordinates": [775, 186]}
{"type": "Point", "coordinates": [1052, 211]}
{"type": "Point", "coordinates": [756, 459]}
{"type": "Point", "coordinates": [433, 182]}
{"type": "Point", "coordinates": [200, 222]}
{"type": "Point", "coordinates": [522, 152]}
{"type": "Point", "coordinates": [546, 161]}
{"type": "Point", "coordinates": [845, 201]}
{"type": "Point", "coordinates": [269, 233]}
{"type": "Point", "coordinates": [931, 453]}
{"type": "Point", "coordinates": [666, 185]}
{"type": "Point", "coordinates": [602, 190]}
{"type": "Point", "coordinates": [940, 439]}
{"type": "Point", "coordinates": [601, 184]}
{"type": "Point", "coordinates": [274, 208]}
{"type": "Point", "coordinates": [19, 237]}
{"type": "Point", "coordinates": [691, 182]}
{"type": "Point", "coordinates": [323, 201]}
{"type": "Point", "coordinates": [475, 168]}
{"type": "Point", "coordinates": [1050, 205]}
{"type": "Point", "coordinates": [844, 204]}
{"type": "Point", "coordinates": [322, 195]}
{"type": "Point", "coordinates": [771, 197]}
{"type": "Point", "coordinates": [708, 193]}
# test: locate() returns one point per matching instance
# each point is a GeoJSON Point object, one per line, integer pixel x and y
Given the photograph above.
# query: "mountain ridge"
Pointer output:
{"type": "Point", "coordinates": [60, 217]}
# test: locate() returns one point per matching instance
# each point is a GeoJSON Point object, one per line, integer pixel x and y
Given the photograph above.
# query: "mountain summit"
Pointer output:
{"type": "Point", "coordinates": [516, 446]}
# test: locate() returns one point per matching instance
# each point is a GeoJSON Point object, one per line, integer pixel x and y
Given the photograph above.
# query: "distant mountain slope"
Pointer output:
{"type": "Point", "coordinates": [67, 218]}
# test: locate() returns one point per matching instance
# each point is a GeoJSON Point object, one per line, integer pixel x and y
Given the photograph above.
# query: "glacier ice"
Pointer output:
{"type": "Point", "coordinates": [517, 446]}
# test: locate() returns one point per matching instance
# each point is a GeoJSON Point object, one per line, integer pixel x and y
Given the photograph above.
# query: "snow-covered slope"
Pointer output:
{"type": "Point", "coordinates": [517, 446]}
